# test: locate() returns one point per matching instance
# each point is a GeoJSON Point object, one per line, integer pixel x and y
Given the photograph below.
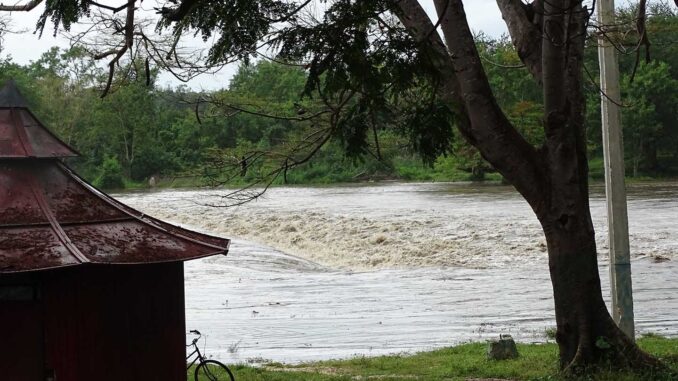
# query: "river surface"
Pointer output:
{"type": "Point", "coordinates": [331, 272]}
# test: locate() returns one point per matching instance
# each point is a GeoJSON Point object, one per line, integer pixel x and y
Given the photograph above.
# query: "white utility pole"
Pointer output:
{"type": "Point", "coordinates": [615, 190]}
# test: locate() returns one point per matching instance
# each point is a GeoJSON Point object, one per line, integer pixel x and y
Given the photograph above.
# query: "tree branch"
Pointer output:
{"type": "Point", "coordinates": [110, 8]}
{"type": "Point", "coordinates": [643, 40]}
{"type": "Point", "coordinates": [492, 133]}
{"type": "Point", "coordinates": [239, 108]}
{"type": "Point", "coordinates": [129, 41]}
{"type": "Point", "coordinates": [178, 13]}
{"type": "Point", "coordinates": [524, 25]}
{"type": "Point", "coordinates": [20, 8]}
{"type": "Point", "coordinates": [291, 14]}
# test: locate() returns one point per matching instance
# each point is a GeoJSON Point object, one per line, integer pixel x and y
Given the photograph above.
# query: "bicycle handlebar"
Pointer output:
{"type": "Point", "coordinates": [195, 340]}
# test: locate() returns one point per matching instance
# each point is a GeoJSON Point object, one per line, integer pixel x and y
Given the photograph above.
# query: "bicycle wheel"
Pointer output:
{"type": "Point", "coordinates": [212, 370]}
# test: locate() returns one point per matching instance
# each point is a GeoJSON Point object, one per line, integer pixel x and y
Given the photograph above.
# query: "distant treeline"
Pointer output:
{"type": "Point", "coordinates": [142, 131]}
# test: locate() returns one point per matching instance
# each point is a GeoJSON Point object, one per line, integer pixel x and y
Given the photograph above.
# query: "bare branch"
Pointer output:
{"type": "Point", "coordinates": [173, 50]}
{"type": "Point", "coordinates": [599, 90]}
{"type": "Point", "coordinates": [240, 108]}
{"type": "Point", "coordinates": [440, 19]}
{"type": "Point", "coordinates": [110, 8]}
{"type": "Point", "coordinates": [292, 154]}
{"type": "Point", "coordinates": [247, 194]}
{"type": "Point", "coordinates": [497, 64]}
{"type": "Point", "coordinates": [291, 14]}
{"type": "Point", "coordinates": [105, 54]}
{"type": "Point", "coordinates": [128, 43]}
{"type": "Point", "coordinates": [643, 40]}
{"type": "Point", "coordinates": [20, 8]}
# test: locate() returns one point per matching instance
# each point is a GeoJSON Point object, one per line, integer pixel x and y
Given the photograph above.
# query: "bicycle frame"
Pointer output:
{"type": "Point", "coordinates": [199, 358]}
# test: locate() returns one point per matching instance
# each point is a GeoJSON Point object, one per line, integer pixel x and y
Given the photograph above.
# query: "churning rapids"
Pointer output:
{"type": "Point", "coordinates": [331, 272]}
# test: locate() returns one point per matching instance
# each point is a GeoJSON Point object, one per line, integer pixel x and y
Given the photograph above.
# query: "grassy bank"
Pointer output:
{"type": "Point", "coordinates": [537, 362]}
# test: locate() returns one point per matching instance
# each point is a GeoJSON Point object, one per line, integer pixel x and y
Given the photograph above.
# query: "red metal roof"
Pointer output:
{"type": "Point", "coordinates": [50, 217]}
{"type": "Point", "coordinates": [21, 134]}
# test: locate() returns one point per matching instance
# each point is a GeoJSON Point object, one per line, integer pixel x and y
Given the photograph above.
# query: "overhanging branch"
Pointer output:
{"type": "Point", "coordinates": [20, 7]}
{"type": "Point", "coordinates": [178, 13]}
{"type": "Point", "coordinates": [127, 44]}
{"type": "Point", "coordinates": [110, 8]}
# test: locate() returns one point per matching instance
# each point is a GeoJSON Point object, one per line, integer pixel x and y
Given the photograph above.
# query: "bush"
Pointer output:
{"type": "Point", "coordinates": [110, 175]}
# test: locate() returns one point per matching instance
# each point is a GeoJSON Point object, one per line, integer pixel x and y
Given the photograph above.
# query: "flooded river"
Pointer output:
{"type": "Point", "coordinates": [331, 272]}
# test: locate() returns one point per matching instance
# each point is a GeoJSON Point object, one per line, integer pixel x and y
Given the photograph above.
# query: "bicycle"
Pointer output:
{"type": "Point", "coordinates": [206, 370]}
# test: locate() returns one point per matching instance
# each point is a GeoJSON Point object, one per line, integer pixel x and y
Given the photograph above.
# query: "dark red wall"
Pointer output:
{"type": "Point", "coordinates": [114, 322]}
{"type": "Point", "coordinates": [21, 355]}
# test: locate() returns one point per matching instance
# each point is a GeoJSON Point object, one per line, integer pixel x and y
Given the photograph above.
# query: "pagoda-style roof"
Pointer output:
{"type": "Point", "coordinates": [51, 218]}
{"type": "Point", "coordinates": [21, 134]}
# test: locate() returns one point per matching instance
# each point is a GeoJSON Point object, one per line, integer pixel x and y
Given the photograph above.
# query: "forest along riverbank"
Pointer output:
{"type": "Point", "coordinates": [261, 303]}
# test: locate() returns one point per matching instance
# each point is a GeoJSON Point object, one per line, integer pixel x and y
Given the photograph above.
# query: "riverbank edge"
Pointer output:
{"type": "Point", "coordinates": [537, 362]}
{"type": "Point", "coordinates": [403, 173]}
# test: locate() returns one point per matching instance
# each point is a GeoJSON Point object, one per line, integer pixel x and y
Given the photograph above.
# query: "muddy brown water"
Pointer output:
{"type": "Point", "coordinates": [334, 272]}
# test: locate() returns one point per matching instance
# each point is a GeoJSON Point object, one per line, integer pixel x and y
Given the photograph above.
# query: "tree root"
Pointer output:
{"type": "Point", "coordinates": [615, 352]}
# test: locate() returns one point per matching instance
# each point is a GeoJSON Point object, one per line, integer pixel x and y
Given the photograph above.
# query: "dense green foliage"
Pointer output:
{"type": "Point", "coordinates": [650, 103]}
{"type": "Point", "coordinates": [537, 362]}
{"type": "Point", "coordinates": [272, 116]}
{"type": "Point", "coordinates": [139, 131]}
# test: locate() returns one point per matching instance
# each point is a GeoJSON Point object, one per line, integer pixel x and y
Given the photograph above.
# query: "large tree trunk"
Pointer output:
{"type": "Point", "coordinates": [554, 178]}
{"type": "Point", "coordinates": [586, 334]}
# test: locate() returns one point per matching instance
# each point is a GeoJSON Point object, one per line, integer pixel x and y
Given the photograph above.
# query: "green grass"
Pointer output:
{"type": "Point", "coordinates": [537, 362]}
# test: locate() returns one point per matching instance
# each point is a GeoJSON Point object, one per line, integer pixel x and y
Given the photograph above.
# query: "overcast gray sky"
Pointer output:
{"type": "Point", "coordinates": [483, 16]}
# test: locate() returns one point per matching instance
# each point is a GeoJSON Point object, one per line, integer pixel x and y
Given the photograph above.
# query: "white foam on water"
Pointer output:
{"type": "Point", "coordinates": [405, 225]}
